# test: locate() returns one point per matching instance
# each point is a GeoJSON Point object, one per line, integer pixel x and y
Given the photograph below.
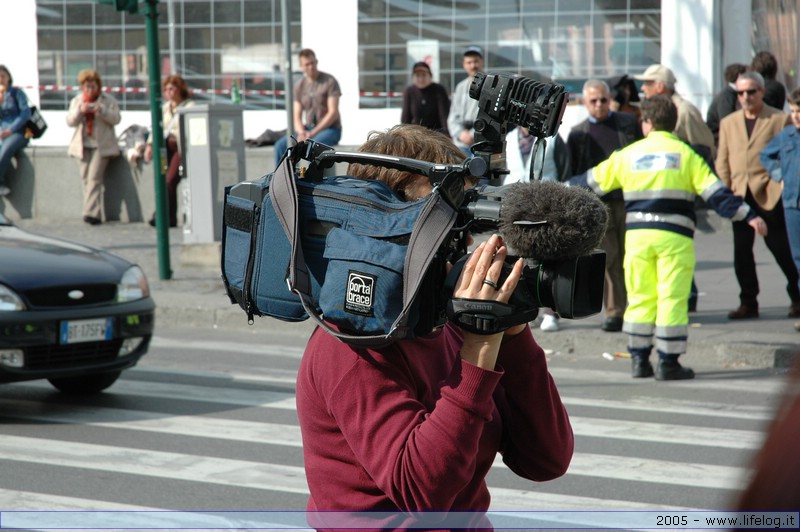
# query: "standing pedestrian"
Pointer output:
{"type": "Point", "coordinates": [690, 128]}
{"type": "Point", "coordinates": [781, 158]}
{"type": "Point", "coordinates": [660, 176]}
{"type": "Point", "coordinates": [463, 109]}
{"type": "Point", "coordinates": [93, 114]}
{"type": "Point", "coordinates": [774, 91]}
{"type": "Point", "coordinates": [425, 102]}
{"type": "Point", "coordinates": [742, 136]}
{"type": "Point", "coordinates": [726, 101]}
{"type": "Point", "coordinates": [589, 143]}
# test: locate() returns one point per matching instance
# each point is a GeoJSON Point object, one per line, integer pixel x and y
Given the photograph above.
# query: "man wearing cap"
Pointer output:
{"type": "Point", "coordinates": [691, 127]}
{"type": "Point", "coordinates": [463, 109]}
{"type": "Point", "coordinates": [424, 102]}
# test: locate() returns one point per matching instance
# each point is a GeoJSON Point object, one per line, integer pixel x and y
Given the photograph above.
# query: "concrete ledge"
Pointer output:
{"type": "Point", "coordinates": [45, 185]}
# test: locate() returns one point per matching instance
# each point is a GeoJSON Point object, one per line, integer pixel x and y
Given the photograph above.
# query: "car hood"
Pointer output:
{"type": "Point", "coordinates": [28, 259]}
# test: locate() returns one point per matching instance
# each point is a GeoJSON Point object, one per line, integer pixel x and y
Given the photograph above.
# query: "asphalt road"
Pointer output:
{"type": "Point", "coordinates": [207, 422]}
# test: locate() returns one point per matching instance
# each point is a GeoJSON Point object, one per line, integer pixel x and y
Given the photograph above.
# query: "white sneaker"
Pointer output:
{"type": "Point", "coordinates": [4, 191]}
{"type": "Point", "coordinates": [549, 323]}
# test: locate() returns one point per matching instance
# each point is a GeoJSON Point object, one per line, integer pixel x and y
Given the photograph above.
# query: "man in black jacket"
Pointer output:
{"type": "Point", "coordinates": [725, 102]}
{"type": "Point", "coordinates": [590, 143]}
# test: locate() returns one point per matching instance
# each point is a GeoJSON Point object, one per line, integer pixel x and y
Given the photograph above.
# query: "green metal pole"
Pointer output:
{"type": "Point", "coordinates": [159, 149]}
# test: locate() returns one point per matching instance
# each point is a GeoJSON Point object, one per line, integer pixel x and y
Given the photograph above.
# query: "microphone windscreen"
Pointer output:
{"type": "Point", "coordinates": [574, 220]}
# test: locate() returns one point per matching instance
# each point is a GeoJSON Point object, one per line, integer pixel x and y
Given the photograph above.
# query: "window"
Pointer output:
{"type": "Point", "coordinates": [216, 42]}
{"type": "Point", "coordinates": [565, 40]}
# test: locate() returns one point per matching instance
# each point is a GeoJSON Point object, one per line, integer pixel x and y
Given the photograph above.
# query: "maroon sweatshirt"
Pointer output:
{"type": "Point", "coordinates": [413, 428]}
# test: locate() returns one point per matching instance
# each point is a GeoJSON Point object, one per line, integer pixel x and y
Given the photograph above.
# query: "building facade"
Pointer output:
{"type": "Point", "coordinates": [369, 45]}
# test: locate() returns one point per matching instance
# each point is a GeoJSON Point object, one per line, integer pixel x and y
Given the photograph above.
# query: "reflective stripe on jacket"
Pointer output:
{"type": "Point", "coordinates": [660, 177]}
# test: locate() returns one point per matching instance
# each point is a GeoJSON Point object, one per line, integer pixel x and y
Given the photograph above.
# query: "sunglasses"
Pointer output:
{"type": "Point", "coordinates": [595, 100]}
{"type": "Point", "coordinates": [749, 92]}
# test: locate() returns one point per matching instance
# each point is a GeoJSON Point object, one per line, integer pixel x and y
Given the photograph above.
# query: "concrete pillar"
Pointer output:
{"type": "Point", "coordinates": [19, 35]}
{"type": "Point", "coordinates": [689, 48]}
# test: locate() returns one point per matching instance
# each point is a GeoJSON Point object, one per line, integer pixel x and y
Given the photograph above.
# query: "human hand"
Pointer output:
{"type": "Point", "coordinates": [148, 153]}
{"type": "Point", "coordinates": [479, 280]}
{"type": "Point", "coordinates": [5, 133]}
{"type": "Point", "coordinates": [758, 225]}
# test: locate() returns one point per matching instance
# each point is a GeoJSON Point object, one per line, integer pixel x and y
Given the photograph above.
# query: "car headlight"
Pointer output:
{"type": "Point", "coordinates": [132, 286]}
{"type": "Point", "coordinates": [9, 300]}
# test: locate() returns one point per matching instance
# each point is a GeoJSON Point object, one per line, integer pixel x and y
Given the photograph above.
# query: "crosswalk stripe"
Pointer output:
{"type": "Point", "coordinates": [504, 499]}
{"type": "Point", "coordinates": [207, 394]}
{"type": "Point", "coordinates": [583, 464]}
{"type": "Point", "coordinates": [194, 426]}
{"type": "Point", "coordinates": [662, 472]}
{"type": "Point", "coordinates": [623, 377]}
{"type": "Point", "coordinates": [265, 349]}
{"type": "Point", "coordinates": [675, 406]}
{"type": "Point", "coordinates": [289, 435]}
{"type": "Point", "coordinates": [286, 400]}
{"type": "Point", "coordinates": [619, 374]}
{"type": "Point", "coordinates": [666, 433]}
{"type": "Point", "coordinates": [159, 464]}
{"type": "Point", "coordinates": [291, 479]}
{"type": "Point", "coordinates": [27, 500]}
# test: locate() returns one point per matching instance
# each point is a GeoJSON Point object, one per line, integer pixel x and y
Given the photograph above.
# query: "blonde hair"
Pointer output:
{"type": "Point", "coordinates": [89, 74]}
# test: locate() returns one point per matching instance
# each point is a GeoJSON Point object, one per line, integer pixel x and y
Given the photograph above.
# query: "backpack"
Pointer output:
{"type": "Point", "coordinates": [348, 253]}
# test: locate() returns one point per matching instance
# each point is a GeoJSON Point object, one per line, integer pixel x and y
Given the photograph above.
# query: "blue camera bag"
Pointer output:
{"type": "Point", "coordinates": [347, 252]}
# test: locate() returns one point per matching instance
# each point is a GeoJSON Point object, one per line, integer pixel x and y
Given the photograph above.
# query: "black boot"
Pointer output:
{"type": "Point", "coordinates": [641, 368]}
{"type": "Point", "coordinates": [671, 370]}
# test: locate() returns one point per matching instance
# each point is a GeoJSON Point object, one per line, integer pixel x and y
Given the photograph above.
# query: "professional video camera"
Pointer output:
{"type": "Point", "coordinates": [555, 228]}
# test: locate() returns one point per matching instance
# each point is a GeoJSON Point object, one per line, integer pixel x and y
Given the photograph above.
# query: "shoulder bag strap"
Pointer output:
{"type": "Point", "coordinates": [430, 230]}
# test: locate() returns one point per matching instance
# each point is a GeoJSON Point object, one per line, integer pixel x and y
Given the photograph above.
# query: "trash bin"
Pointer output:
{"type": "Point", "coordinates": [212, 136]}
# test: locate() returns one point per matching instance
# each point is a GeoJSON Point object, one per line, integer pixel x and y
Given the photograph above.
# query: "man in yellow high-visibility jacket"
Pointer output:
{"type": "Point", "coordinates": [660, 176]}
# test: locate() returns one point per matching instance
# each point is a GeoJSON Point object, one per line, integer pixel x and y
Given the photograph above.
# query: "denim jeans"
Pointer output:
{"type": "Point", "coordinates": [8, 149]}
{"type": "Point", "coordinates": [330, 137]}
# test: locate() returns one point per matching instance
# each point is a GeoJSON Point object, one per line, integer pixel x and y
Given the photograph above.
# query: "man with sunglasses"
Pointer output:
{"type": "Point", "coordinates": [590, 143]}
{"type": "Point", "coordinates": [742, 136]}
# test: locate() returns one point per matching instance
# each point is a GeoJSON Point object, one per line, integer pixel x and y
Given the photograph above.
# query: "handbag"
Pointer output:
{"type": "Point", "coordinates": [36, 125]}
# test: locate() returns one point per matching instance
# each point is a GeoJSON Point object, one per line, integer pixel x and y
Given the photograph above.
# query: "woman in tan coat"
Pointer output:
{"type": "Point", "coordinates": [93, 114]}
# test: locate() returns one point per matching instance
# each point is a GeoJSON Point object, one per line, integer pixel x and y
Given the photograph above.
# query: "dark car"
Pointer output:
{"type": "Point", "coordinates": [74, 315]}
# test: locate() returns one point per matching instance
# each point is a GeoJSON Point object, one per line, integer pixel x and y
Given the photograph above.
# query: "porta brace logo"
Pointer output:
{"type": "Point", "coordinates": [359, 296]}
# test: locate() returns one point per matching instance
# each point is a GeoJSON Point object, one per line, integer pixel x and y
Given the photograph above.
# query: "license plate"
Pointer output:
{"type": "Point", "coordinates": [76, 331]}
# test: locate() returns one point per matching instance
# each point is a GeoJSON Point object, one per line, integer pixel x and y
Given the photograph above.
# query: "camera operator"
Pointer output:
{"type": "Point", "coordinates": [416, 426]}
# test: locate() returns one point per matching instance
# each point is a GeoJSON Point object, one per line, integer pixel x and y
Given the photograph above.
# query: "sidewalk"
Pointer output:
{"type": "Point", "coordinates": [195, 297]}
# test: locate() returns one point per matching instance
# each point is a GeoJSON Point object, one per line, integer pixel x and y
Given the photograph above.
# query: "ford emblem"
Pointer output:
{"type": "Point", "coordinates": [75, 294]}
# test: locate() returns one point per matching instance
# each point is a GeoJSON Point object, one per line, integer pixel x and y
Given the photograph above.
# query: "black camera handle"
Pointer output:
{"type": "Point", "coordinates": [447, 178]}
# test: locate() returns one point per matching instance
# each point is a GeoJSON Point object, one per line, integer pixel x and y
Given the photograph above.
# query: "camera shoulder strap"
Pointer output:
{"type": "Point", "coordinates": [429, 232]}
